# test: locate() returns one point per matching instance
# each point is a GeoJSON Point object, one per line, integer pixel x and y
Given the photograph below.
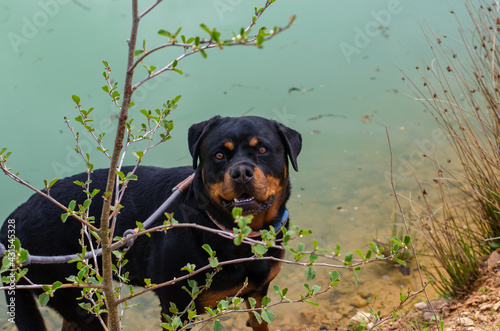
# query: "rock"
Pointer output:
{"type": "Point", "coordinates": [485, 306]}
{"type": "Point", "coordinates": [361, 316]}
{"type": "Point", "coordinates": [496, 306]}
{"type": "Point", "coordinates": [465, 321]}
{"type": "Point", "coordinates": [357, 301]}
{"type": "Point", "coordinates": [421, 306]}
{"type": "Point", "coordinates": [494, 260]}
{"type": "Point", "coordinates": [308, 316]}
{"type": "Point", "coordinates": [428, 316]}
{"type": "Point", "coordinates": [336, 317]}
{"type": "Point", "coordinates": [439, 304]}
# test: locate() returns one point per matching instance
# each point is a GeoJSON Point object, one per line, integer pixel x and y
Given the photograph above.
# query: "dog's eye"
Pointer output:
{"type": "Point", "coordinates": [262, 150]}
{"type": "Point", "coordinates": [219, 156]}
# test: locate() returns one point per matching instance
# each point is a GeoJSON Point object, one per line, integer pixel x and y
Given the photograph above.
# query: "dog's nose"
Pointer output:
{"type": "Point", "coordinates": [242, 174]}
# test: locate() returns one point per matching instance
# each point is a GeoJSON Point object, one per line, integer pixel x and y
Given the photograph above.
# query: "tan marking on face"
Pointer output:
{"type": "Point", "coordinates": [254, 141]}
{"type": "Point", "coordinates": [267, 186]}
{"type": "Point", "coordinates": [229, 145]}
{"type": "Point", "coordinates": [264, 186]}
{"type": "Point", "coordinates": [222, 190]}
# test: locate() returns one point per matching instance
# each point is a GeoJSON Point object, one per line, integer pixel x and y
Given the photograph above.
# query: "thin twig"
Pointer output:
{"type": "Point", "coordinates": [407, 229]}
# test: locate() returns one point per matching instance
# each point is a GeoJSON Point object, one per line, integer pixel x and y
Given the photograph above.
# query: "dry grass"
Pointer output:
{"type": "Point", "coordinates": [461, 88]}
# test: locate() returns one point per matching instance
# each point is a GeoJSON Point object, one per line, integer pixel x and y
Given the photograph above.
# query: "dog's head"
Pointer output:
{"type": "Point", "coordinates": [243, 162]}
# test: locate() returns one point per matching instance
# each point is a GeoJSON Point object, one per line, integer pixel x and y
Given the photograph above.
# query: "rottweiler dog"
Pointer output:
{"type": "Point", "coordinates": [238, 162]}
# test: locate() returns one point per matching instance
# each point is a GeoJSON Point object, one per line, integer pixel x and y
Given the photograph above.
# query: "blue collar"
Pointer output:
{"type": "Point", "coordinates": [281, 223]}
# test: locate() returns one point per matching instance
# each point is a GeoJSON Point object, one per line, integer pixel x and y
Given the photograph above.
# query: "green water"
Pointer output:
{"type": "Point", "coordinates": [50, 50]}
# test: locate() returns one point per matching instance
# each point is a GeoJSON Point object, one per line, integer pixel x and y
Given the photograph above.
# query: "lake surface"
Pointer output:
{"type": "Point", "coordinates": [334, 77]}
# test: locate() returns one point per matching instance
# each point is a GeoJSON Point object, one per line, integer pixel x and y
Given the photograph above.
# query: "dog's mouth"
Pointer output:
{"type": "Point", "coordinates": [249, 204]}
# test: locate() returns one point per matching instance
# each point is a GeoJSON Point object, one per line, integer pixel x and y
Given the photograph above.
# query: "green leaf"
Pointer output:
{"type": "Point", "coordinates": [217, 326]}
{"type": "Point", "coordinates": [397, 241]}
{"type": "Point", "coordinates": [72, 205]}
{"type": "Point", "coordinates": [348, 258]}
{"type": "Point", "coordinates": [213, 262]}
{"type": "Point", "coordinates": [138, 52]}
{"type": "Point", "coordinates": [164, 33]}
{"type": "Point", "coordinates": [64, 217]}
{"type": "Point", "coordinates": [310, 273]}
{"type": "Point", "coordinates": [131, 176]}
{"type": "Point", "coordinates": [334, 276]}
{"type": "Point", "coordinates": [208, 249]}
{"type": "Point", "coordinates": [360, 253]}
{"type": "Point", "coordinates": [257, 317]}
{"type": "Point", "coordinates": [177, 32]}
{"type": "Point", "coordinates": [356, 279]}
{"type": "Point", "coordinates": [215, 36]}
{"type": "Point", "coordinates": [259, 249]}
{"type": "Point", "coordinates": [43, 299]}
{"type": "Point", "coordinates": [252, 302]}
{"type": "Point", "coordinates": [76, 99]}
{"type": "Point", "coordinates": [266, 300]}
{"type": "Point", "coordinates": [56, 285]}
{"type": "Point", "coordinates": [87, 203]}
{"type": "Point", "coordinates": [179, 71]}
{"type": "Point", "coordinates": [407, 240]}
{"type": "Point", "coordinates": [312, 303]}
{"type": "Point", "coordinates": [375, 247]}
{"type": "Point", "coordinates": [79, 119]}
{"type": "Point", "coordinates": [267, 315]}
{"type": "Point", "coordinates": [399, 261]}
{"type": "Point", "coordinates": [53, 182]}
{"type": "Point", "coordinates": [204, 27]}
{"type": "Point", "coordinates": [138, 154]}
{"type": "Point", "coordinates": [368, 254]}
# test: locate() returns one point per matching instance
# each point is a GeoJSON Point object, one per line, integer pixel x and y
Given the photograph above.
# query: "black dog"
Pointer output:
{"type": "Point", "coordinates": [239, 162]}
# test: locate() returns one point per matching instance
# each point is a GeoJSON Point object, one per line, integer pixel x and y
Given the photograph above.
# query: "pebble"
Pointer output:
{"type": "Point", "coordinates": [486, 306]}
{"type": "Point", "coordinates": [361, 316]}
{"type": "Point", "coordinates": [496, 306]}
{"type": "Point", "coordinates": [439, 304]}
{"type": "Point", "coordinates": [428, 316]}
{"type": "Point", "coordinates": [465, 321]}
{"type": "Point", "coordinates": [421, 306]}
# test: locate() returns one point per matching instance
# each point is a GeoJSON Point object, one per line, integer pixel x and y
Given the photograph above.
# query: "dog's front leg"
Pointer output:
{"type": "Point", "coordinates": [252, 321]}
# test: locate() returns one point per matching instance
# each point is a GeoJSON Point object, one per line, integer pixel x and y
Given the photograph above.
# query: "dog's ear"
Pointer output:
{"type": "Point", "coordinates": [292, 141]}
{"type": "Point", "coordinates": [196, 134]}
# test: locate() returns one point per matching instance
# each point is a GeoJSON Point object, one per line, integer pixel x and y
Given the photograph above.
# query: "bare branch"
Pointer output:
{"type": "Point", "coordinates": [150, 9]}
{"type": "Point", "coordinates": [45, 195]}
